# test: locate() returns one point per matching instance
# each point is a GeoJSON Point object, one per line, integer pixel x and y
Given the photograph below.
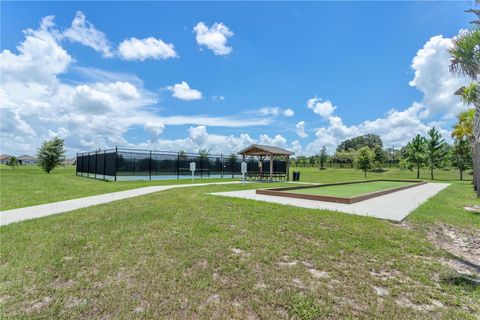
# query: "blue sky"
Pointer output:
{"type": "Point", "coordinates": [222, 75]}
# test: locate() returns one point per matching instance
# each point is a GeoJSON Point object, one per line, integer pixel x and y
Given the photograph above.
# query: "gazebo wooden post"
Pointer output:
{"type": "Point", "coordinates": [271, 168]}
{"type": "Point", "coordinates": [287, 169]}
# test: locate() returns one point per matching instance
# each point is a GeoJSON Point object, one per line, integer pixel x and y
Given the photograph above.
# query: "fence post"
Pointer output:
{"type": "Point", "coordinates": [104, 163]}
{"type": "Point", "coordinates": [95, 168]}
{"type": "Point", "coordinates": [150, 165]}
{"type": "Point", "coordinates": [178, 165]}
{"type": "Point", "coordinates": [116, 158]}
{"type": "Point", "coordinates": [88, 164]}
{"type": "Point", "coordinates": [221, 157]}
{"type": "Point", "coordinates": [76, 164]}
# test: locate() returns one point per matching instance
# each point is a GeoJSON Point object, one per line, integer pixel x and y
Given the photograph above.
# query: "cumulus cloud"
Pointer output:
{"type": "Point", "coordinates": [183, 91]}
{"type": "Point", "coordinates": [84, 32]}
{"type": "Point", "coordinates": [320, 107]}
{"type": "Point", "coordinates": [288, 112]}
{"type": "Point", "coordinates": [155, 129]}
{"type": "Point", "coordinates": [438, 105]}
{"type": "Point", "coordinates": [40, 58]}
{"type": "Point", "coordinates": [300, 129]}
{"type": "Point", "coordinates": [36, 104]}
{"type": "Point", "coordinates": [296, 147]}
{"type": "Point", "coordinates": [278, 140]}
{"type": "Point", "coordinates": [141, 49]}
{"type": "Point", "coordinates": [198, 135]}
{"type": "Point", "coordinates": [433, 79]}
{"type": "Point", "coordinates": [214, 38]}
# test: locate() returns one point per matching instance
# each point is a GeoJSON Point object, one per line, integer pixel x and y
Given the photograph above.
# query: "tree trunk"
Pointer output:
{"type": "Point", "coordinates": [431, 172]}
{"type": "Point", "coordinates": [476, 148]}
{"type": "Point", "coordinates": [418, 172]}
{"type": "Point", "coordinates": [461, 175]}
{"type": "Point", "coordinates": [365, 173]}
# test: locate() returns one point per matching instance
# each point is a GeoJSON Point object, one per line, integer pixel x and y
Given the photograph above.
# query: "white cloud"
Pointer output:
{"type": "Point", "coordinates": [433, 79]}
{"type": "Point", "coordinates": [300, 129]}
{"type": "Point", "coordinates": [437, 85]}
{"type": "Point", "coordinates": [275, 111]}
{"type": "Point", "coordinates": [320, 107]}
{"type": "Point", "coordinates": [40, 58]}
{"type": "Point", "coordinates": [288, 112]}
{"type": "Point", "coordinates": [296, 147]}
{"type": "Point", "coordinates": [97, 113]}
{"type": "Point", "coordinates": [198, 135]}
{"type": "Point", "coordinates": [269, 111]}
{"type": "Point", "coordinates": [227, 121]}
{"type": "Point", "coordinates": [214, 38]}
{"type": "Point", "coordinates": [155, 129]}
{"type": "Point", "coordinates": [183, 91]}
{"type": "Point", "coordinates": [395, 129]}
{"type": "Point", "coordinates": [141, 49]}
{"type": "Point", "coordinates": [217, 98]}
{"type": "Point", "coordinates": [84, 32]}
{"type": "Point", "coordinates": [278, 140]}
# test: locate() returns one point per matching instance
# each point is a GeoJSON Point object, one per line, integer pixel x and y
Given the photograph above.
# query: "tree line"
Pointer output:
{"type": "Point", "coordinates": [366, 152]}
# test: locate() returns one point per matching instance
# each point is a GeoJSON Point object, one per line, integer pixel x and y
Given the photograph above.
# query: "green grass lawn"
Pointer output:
{"type": "Point", "coordinates": [187, 254]}
{"type": "Point", "coordinates": [351, 190]}
{"type": "Point", "coordinates": [28, 186]}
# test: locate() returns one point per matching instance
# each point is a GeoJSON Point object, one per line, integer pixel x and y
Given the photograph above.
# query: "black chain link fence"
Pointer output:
{"type": "Point", "coordinates": [131, 164]}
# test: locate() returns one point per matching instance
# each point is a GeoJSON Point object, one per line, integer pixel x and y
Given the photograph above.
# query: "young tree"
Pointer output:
{"type": "Point", "coordinates": [436, 150]}
{"type": "Point", "coordinates": [12, 162]}
{"type": "Point", "coordinates": [462, 156]}
{"type": "Point", "coordinates": [51, 154]}
{"type": "Point", "coordinates": [323, 157]}
{"type": "Point", "coordinates": [365, 159]}
{"type": "Point", "coordinates": [416, 153]}
{"type": "Point", "coordinates": [380, 157]}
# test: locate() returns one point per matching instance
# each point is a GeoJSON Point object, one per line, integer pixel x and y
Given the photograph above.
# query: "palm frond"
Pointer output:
{"type": "Point", "coordinates": [465, 54]}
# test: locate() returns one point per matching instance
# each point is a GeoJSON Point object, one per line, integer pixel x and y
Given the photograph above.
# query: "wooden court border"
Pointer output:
{"type": "Point", "coordinates": [280, 192]}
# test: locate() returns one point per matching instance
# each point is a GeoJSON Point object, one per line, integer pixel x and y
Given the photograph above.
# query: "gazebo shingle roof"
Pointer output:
{"type": "Point", "coordinates": [259, 149]}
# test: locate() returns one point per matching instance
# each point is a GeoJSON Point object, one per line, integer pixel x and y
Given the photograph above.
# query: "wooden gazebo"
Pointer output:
{"type": "Point", "coordinates": [270, 152]}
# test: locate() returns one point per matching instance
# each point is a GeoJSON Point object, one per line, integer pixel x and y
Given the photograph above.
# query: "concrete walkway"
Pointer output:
{"type": "Point", "coordinates": [16, 215]}
{"type": "Point", "coordinates": [393, 206]}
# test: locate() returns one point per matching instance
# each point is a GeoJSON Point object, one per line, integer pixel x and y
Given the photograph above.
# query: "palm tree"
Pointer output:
{"type": "Point", "coordinates": [416, 153]}
{"type": "Point", "coordinates": [466, 54]}
{"type": "Point", "coordinates": [203, 153]}
{"type": "Point", "coordinates": [463, 129]}
{"type": "Point", "coordinates": [182, 155]}
{"type": "Point", "coordinates": [465, 61]}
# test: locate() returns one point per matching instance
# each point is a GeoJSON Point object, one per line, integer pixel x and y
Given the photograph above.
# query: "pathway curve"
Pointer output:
{"type": "Point", "coordinates": [20, 214]}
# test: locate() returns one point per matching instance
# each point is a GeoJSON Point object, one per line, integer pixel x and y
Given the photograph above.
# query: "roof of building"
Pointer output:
{"type": "Point", "coordinates": [26, 157]}
{"type": "Point", "coordinates": [4, 156]}
{"type": "Point", "coordinates": [261, 150]}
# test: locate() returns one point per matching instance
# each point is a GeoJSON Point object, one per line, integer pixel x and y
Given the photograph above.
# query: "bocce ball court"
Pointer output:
{"type": "Point", "coordinates": [342, 192]}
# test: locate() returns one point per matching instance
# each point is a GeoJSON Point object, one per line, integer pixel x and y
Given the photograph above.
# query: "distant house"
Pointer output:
{"type": "Point", "coordinates": [4, 158]}
{"type": "Point", "coordinates": [70, 161]}
{"type": "Point", "coordinates": [27, 160]}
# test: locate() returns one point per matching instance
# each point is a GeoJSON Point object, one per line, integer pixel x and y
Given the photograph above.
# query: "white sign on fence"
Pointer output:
{"type": "Point", "coordinates": [192, 168]}
{"type": "Point", "coordinates": [244, 167]}
{"type": "Point", "coordinates": [244, 170]}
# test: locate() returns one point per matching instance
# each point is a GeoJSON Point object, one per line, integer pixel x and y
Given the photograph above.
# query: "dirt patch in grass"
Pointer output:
{"type": "Point", "coordinates": [461, 243]}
